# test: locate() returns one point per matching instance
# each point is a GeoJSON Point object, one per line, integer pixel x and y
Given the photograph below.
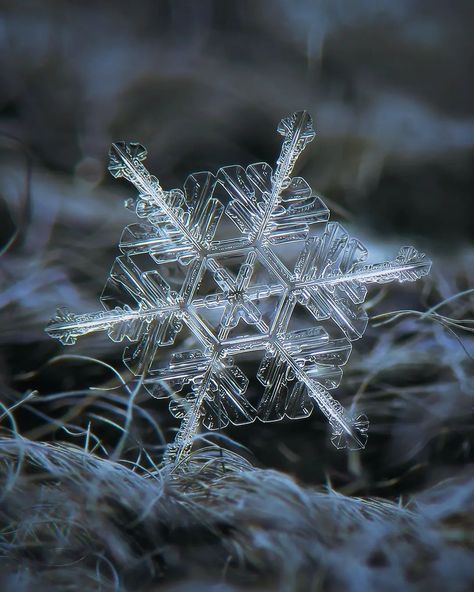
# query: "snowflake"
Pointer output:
{"type": "Point", "coordinates": [234, 296]}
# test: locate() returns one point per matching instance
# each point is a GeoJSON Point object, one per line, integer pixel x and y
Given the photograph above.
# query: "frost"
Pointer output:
{"type": "Point", "coordinates": [159, 287]}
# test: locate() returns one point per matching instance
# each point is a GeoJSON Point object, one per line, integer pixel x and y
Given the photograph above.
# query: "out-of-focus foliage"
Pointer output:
{"type": "Point", "coordinates": [96, 525]}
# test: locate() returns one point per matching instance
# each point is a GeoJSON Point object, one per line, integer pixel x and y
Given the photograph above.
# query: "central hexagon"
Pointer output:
{"type": "Point", "coordinates": [237, 288]}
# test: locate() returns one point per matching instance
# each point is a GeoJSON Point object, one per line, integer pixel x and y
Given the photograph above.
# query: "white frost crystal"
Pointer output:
{"type": "Point", "coordinates": [160, 286]}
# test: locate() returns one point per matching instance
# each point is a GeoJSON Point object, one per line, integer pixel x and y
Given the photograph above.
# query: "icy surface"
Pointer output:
{"type": "Point", "coordinates": [159, 288]}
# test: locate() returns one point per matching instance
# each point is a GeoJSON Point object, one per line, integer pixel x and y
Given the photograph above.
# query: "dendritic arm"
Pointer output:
{"type": "Point", "coordinates": [181, 224]}
{"type": "Point", "coordinates": [217, 397]}
{"type": "Point", "coordinates": [298, 131]}
{"type": "Point", "coordinates": [332, 280]}
{"type": "Point", "coordinates": [270, 204]}
{"type": "Point", "coordinates": [348, 432]}
{"type": "Point", "coordinates": [126, 161]}
{"type": "Point", "coordinates": [120, 322]}
{"type": "Point", "coordinates": [313, 360]}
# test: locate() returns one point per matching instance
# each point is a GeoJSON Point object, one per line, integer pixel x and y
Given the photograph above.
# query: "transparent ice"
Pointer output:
{"type": "Point", "coordinates": [236, 296]}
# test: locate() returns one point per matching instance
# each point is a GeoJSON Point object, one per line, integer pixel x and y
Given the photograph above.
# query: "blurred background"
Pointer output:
{"type": "Point", "coordinates": [203, 85]}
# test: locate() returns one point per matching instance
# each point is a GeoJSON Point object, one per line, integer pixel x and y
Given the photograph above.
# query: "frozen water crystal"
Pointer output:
{"type": "Point", "coordinates": [233, 296]}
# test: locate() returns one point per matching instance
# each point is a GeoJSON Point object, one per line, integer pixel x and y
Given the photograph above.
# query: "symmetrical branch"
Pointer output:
{"type": "Point", "coordinates": [67, 326]}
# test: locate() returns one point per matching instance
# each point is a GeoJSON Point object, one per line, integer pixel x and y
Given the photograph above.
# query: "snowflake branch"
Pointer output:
{"type": "Point", "coordinates": [409, 266]}
{"type": "Point", "coordinates": [351, 433]}
{"type": "Point", "coordinates": [126, 161]}
{"type": "Point", "coordinates": [298, 132]}
{"type": "Point", "coordinates": [191, 421]}
{"type": "Point", "coordinates": [67, 326]}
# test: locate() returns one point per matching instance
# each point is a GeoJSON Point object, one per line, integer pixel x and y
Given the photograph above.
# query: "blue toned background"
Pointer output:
{"type": "Point", "coordinates": [202, 85]}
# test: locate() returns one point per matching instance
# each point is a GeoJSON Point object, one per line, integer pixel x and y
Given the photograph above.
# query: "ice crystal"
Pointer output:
{"type": "Point", "coordinates": [237, 295]}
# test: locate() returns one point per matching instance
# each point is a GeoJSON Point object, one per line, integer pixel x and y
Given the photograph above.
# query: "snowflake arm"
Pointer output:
{"type": "Point", "coordinates": [270, 205]}
{"type": "Point", "coordinates": [181, 224]}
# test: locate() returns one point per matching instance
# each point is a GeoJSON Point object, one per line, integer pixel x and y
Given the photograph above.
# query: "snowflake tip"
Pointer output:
{"type": "Point", "coordinates": [356, 439]}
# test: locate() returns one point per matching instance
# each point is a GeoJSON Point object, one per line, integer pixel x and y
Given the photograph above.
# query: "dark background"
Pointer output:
{"type": "Point", "coordinates": [202, 85]}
